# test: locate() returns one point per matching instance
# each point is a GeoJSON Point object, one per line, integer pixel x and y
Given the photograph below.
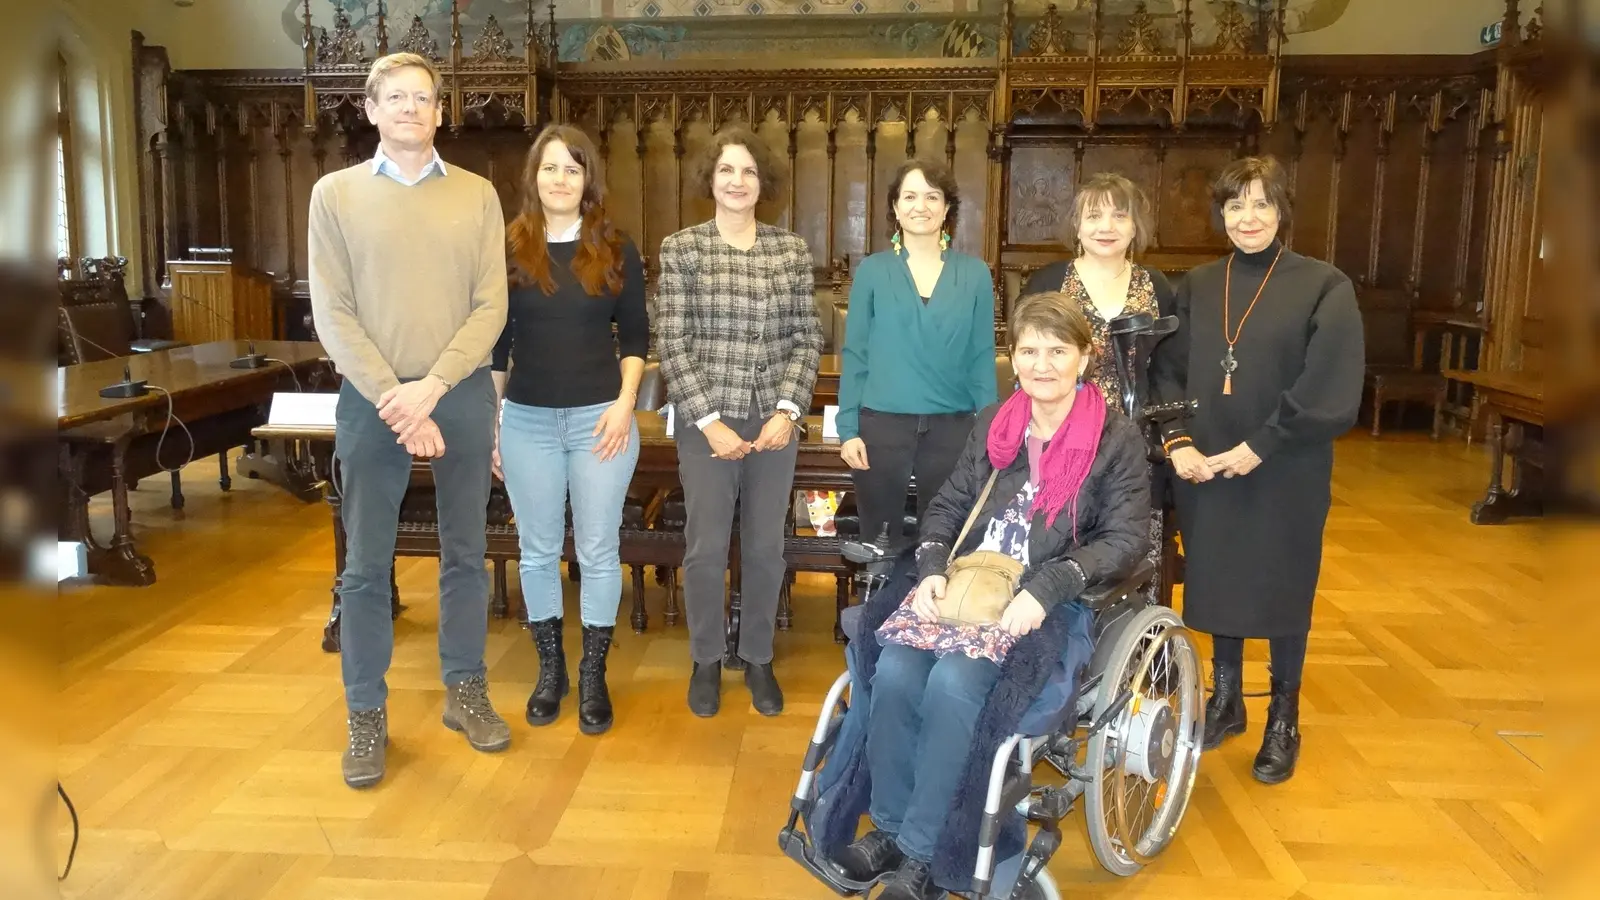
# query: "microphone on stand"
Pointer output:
{"type": "Point", "coordinates": [120, 390]}
{"type": "Point", "coordinates": [251, 359]}
{"type": "Point", "coordinates": [125, 388]}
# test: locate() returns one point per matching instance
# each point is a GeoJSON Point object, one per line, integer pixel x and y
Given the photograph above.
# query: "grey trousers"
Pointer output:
{"type": "Point", "coordinates": [372, 476]}
{"type": "Point", "coordinates": [761, 485]}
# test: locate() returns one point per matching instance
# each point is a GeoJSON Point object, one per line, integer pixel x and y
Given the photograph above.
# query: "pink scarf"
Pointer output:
{"type": "Point", "coordinates": [1066, 462]}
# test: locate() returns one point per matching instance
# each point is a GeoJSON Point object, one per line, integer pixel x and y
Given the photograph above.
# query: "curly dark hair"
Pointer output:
{"type": "Point", "coordinates": [938, 176]}
{"type": "Point", "coordinates": [769, 169]}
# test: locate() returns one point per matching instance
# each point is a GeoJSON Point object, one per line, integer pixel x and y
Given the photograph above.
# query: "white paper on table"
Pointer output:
{"type": "Point", "coordinates": [670, 420]}
{"type": "Point", "coordinates": [297, 409]}
{"type": "Point", "coordinates": [830, 422]}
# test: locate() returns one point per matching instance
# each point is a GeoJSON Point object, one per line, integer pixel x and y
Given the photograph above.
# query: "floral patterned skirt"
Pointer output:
{"type": "Point", "coordinates": [903, 627]}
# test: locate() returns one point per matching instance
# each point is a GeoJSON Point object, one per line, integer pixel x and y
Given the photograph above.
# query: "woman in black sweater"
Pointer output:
{"type": "Point", "coordinates": [1270, 346]}
{"type": "Point", "coordinates": [567, 412]}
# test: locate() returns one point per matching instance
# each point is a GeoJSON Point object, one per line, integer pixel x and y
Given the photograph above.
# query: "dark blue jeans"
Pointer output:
{"type": "Point", "coordinates": [919, 732]}
{"type": "Point", "coordinates": [371, 476]}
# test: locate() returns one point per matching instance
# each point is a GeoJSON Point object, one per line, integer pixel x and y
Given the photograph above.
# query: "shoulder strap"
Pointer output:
{"type": "Point", "coordinates": [976, 509]}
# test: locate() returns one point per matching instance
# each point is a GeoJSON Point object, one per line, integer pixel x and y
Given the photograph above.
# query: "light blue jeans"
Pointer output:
{"type": "Point", "coordinates": [545, 452]}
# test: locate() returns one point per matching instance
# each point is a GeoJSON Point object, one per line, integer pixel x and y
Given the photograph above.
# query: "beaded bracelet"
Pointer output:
{"type": "Point", "coordinates": [1174, 442]}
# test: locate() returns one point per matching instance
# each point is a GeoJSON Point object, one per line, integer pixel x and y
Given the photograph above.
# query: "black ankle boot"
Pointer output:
{"type": "Point", "coordinates": [871, 857]}
{"type": "Point", "coordinates": [544, 704]}
{"type": "Point", "coordinates": [1225, 710]}
{"type": "Point", "coordinates": [765, 695]}
{"type": "Point", "coordinates": [594, 700]}
{"type": "Point", "coordinates": [912, 881]}
{"type": "Point", "coordinates": [1280, 747]}
{"type": "Point", "coordinates": [705, 689]}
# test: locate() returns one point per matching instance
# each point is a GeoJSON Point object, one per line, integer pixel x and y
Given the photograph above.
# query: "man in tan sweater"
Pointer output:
{"type": "Point", "coordinates": [408, 293]}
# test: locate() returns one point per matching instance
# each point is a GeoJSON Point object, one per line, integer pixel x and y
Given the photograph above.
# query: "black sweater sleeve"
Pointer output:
{"type": "Point", "coordinates": [1048, 278]}
{"type": "Point", "coordinates": [1324, 401]}
{"type": "Point", "coordinates": [633, 320]}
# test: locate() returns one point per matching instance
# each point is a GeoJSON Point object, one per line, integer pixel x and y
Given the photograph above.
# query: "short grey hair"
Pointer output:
{"type": "Point", "coordinates": [384, 65]}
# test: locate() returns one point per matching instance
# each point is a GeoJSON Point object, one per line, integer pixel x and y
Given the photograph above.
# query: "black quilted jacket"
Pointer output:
{"type": "Point", "coordinates": [1113, 514]}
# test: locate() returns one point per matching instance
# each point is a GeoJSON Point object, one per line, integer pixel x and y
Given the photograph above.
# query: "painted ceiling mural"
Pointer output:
{"type": "Point", "coordinates": [601, 30]}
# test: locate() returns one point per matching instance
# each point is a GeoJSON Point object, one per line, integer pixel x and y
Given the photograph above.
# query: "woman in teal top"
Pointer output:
{"type": "Point", "coordinates": [918, 356]}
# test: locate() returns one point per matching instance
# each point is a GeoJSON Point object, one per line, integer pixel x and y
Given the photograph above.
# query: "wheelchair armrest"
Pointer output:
{"type": "Point", "coordinates": [1099, 596]}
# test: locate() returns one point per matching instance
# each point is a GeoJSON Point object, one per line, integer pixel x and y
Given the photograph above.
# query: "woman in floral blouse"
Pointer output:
{"type": "Point", "coordinates": [1108, 225]}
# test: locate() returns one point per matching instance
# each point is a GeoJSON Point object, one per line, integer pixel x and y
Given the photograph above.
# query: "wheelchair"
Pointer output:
{"type": "Point", "coordinates": [1127, 739]}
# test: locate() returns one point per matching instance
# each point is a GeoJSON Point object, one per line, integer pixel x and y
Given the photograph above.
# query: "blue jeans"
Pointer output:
{"type": "Point", "coordinates": [371, 475]}
{"type": "Point", "coordinates": [919, 732]}
{"type": "Point", "coordinates": [545, 452]}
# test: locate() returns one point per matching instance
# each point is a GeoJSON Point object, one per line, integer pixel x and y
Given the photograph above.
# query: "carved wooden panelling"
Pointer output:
{"type": "Point", "coordinates": [1391, 164]}
{"type": "Point", "coordinates": [1183, 199]}
{"type": "Point", "coordinates": [1042, 179]}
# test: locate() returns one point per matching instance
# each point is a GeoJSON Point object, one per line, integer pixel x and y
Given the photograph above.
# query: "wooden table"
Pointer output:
{"type": "Point", "coordinates": [817, 467]}
{"type": "Point", "coordinates": [105, 444]}
{"type": "Point", "coordinates": [1513, 401]}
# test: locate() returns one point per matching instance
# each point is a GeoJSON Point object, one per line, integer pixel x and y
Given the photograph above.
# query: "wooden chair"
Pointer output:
{"type": "Point", "coordinates": [97, 319]}
{"type": "Point", "coordinates": [1396, 373]}
{"type": "Point", "coordinates": [1404, 386]}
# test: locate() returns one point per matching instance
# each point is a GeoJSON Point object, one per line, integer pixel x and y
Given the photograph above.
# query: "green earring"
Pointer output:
{"type": "Point", "coordinates": [895, 242]}
{"type": "Point", "coordinates": [944, 241]}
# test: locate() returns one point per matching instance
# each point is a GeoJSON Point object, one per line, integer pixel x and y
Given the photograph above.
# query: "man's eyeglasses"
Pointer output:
{"type": "Point", "coordinates": [397, 99]}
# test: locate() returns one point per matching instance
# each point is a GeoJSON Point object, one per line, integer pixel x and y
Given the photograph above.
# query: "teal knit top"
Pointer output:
{"type": "Point", "coordinates": [903, 355]}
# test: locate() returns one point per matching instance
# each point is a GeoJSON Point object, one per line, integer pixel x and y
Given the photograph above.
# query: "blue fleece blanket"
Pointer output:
{"type": "Point", "coordinates": [1037, 681]}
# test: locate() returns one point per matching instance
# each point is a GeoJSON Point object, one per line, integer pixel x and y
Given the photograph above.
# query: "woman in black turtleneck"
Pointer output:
{"type": "Point", "coordinates": [1270, 345]}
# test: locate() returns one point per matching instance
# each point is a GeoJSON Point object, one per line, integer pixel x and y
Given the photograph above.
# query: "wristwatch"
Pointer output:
{"type": "Point", "coordinates": [447, 385]}
{"type": "Point", "coordinates": [793, 417]}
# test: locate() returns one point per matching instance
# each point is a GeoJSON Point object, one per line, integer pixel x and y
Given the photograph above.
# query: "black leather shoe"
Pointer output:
{"type": "Point", "coordinates": [872, 856]}
{"type": "Point", "coordinates": [1225, 710]}
{"type": "Point", "coordinates": [705, 689]}
{"type": "Point", "coordinates": [1280, 746]}
{"type": "Point", "coordinates": [544, 704]}
{"type": "Point", "coordinates": [912, 881]}
{"type": "Point", "coordinates": [594, 700]}
{"type": "Point", "coordinates": [765, 695]}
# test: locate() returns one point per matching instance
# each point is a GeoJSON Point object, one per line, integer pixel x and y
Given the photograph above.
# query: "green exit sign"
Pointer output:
{"type": "Point", "coordinates": [1489, 35]}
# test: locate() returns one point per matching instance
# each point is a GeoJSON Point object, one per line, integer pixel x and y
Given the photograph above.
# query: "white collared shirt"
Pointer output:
{"type": "Point", "coordinates": [567, 235]}
{"type": "Point", "coordinates": [383, 165]}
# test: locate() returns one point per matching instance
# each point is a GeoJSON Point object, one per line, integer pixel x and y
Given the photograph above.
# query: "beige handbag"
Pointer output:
{"type": "Point", "coordinates": [979, 585]}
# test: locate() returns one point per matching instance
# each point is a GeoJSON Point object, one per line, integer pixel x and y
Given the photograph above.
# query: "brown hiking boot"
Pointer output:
{"type": "Point", "coordinates": [467, 710]}
{"type": "Point", "coordinates": [364, 757]}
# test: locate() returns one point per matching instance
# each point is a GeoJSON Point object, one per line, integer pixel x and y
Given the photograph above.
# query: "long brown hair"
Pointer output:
{"type": "Point", "coordinates": [598, 262]}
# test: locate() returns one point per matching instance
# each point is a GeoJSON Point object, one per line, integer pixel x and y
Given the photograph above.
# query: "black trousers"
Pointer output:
{"type": "Point", "coordinates": [898, 446]}
{"type": "Point", "coordinates": [1288, 655]}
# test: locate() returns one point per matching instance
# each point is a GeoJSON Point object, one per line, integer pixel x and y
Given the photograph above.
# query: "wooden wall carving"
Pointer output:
{"type": "Point", "coordinates": [1392, 160]}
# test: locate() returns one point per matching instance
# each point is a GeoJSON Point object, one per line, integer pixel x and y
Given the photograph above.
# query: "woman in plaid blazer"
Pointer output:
{"type": "Point", "coordinates": [739, 342]}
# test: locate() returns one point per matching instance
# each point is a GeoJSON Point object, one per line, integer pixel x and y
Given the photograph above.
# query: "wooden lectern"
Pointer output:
{"type": "Point", "coordinates": [217, 299]}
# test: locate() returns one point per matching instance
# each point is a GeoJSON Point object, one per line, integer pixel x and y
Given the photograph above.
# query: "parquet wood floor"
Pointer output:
{"type": "Point", "coordinates": [200, 729]}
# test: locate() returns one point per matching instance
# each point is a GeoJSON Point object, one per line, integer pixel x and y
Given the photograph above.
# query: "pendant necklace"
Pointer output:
{"type": "Point", "coordinates": [1228, 362]}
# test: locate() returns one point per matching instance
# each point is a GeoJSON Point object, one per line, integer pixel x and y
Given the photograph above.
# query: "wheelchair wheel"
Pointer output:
{"type": "Point", "coordinates": [1144, 762]}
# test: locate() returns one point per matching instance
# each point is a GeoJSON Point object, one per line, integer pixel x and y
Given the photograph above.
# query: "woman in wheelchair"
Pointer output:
{"type": "Point", "coordinates": [1052, 490]}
